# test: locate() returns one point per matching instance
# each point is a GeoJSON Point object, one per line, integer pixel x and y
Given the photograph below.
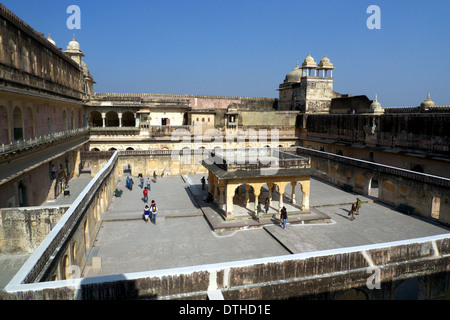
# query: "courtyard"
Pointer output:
{"type": "Point", "coordinates": [189, 231]}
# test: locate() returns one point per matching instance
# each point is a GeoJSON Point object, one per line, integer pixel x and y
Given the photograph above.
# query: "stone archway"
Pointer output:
{"type": "Point", "coordinates": [112, 119]}
{"type": "Point", "coordinates": [95, 119]}
{"type": "Point", "coordinates": [4, 125]}
{"type": "Point", "coordinates": [128, 119]}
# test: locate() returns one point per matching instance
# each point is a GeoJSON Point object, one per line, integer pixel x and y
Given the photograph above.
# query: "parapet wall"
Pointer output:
{"type": "Point", "coordinates": [331, 273]}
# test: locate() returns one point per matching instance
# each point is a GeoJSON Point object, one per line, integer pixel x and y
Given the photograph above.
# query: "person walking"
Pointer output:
{"type": "Point", "coordinates": [358, 206]}
{"type": "Point", "coordinates": [259, 209]}
{"type": "Point", "coordinates": [266, 205]}
{"type": "Point", "coordinates": [145, 192]}
{"type": "Point", "coordinates": [127, 183]}
{"type": "Point", "coordinates": [153, 210]}
{"type": "Point", "coordinates": [130, 183]}
{"type": "Point", "coordinates": [148, 184]}
{"type": "Point", "coordinates": [352, 212]}
{"type": "Point", "coordinates": [53, 172]}
{"type": "Point", "coordinates": [203, 183]}
{"type": "Point", "coordinates": [141, 181]}
{"type": "Point", "coordinates": [283, 217]}
{"type": "Point", "coordinates": [146, 213]}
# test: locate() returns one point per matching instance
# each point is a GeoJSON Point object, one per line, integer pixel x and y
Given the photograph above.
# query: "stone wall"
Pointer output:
{"type": "Point", "coordinates": [425, 133]}
{"type": "Point", "coordinates": [396, 186]}
{"type": "Point", "coordinates": [34, 61]}
{"type": "Point", "coordinates": [23, 229]}
{"type": "Point", "coordinates": [332, 274]}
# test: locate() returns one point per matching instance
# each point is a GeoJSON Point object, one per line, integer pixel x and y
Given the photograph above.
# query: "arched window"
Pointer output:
{"type": "Point", "coordinates": [112, 119]}
{"type": "Point", "coordinates": [29, 124]}
{"type": "Point", "coordinates": [128, 119]}
{"type": "Point", "coordinates": [4, 125]}
{"type": "Point", "coordinates": [65, 268]}
{"type": "Point", "coordinates": [18, 124]}
{"type": "Point", "coordinates": [64, 120]}
{"type": "Point", "coordinates": [25, 60]}
{"type": "Point", "coordinates": [34, 67]}
{"type": "Point", "coordinates": [12, 53]}
{"type": "Point", "coordinates": [86, 235]}
{"type": "Point", "coordinates": [95, 119]}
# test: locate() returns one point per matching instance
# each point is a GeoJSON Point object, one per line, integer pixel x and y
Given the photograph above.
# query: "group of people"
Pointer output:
{"type": "Point", "coordinates": [355, 209]}
{"type": "Point", "coordinates": [150, 212]}
{"type": "Point", "coordinates": [283, 212]}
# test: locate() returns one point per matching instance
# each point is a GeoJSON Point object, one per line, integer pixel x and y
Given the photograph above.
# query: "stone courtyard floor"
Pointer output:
{"type": "Point", "coordinates": [189, 231]}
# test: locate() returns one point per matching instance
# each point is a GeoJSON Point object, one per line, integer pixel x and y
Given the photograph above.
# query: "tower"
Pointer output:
{"type": "Point", "coordinates": [73, 50]}
{"type": "Point", "coordinates": [315, 91]}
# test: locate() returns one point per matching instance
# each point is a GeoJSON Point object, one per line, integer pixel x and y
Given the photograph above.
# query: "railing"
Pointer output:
{"type": "Point", "coordinates": [26, 144]}
{"type": "Point", "coordinates": [375, 167]}
{"type": "Point", "coordinates": [99, 95]}
{"type": "Point", "coordinates": [52, 245]}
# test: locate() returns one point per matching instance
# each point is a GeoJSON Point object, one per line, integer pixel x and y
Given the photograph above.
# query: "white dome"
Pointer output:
{"type": "Point", "coordinates": [73, 45]}
{"type": "Point", "coordinates": [51, 40]}
{"type": "Point", "coordinates": [295, 75]}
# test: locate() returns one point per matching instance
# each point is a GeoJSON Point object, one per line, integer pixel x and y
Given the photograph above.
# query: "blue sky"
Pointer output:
{"type": "Point", "coordinates": [246, 47]}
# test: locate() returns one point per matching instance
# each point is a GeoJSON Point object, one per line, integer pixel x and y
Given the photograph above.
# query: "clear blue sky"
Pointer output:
{"type": "Point", "coordinates": [246, 47]}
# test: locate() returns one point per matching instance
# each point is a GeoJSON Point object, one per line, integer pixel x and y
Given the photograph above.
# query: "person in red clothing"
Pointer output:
{"type": "Point", "coordinates": [145, 195]}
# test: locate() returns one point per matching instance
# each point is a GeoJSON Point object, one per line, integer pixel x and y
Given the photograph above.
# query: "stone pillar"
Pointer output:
{"type": "Point", "coordinates": [270, 185]}
{"type": "Point", "coordinates": [305, 185]}
{"type": "Point", "coordinates": [281, 187]}
{"type": "Point", "coordinates": [104, 119]}
{"type": "Point", "coordinates": [257, 191]}
{"type": "Point", "coordinates": [293, 184]}
{"type": "Point", "coordinates": [210, 183]}
{"type": "Point", "coordinates": [215, 183]}
{"type": "Point", "coordinates": [229, 195]}
{"type": "Point", "coordinates": [247, 197]}
{"type": "Point", "coordinates": [221, 190]}
{"type": "Point", "coordinates": [76, 171]}
{"type": "Point", "coordinates": [120, 119]}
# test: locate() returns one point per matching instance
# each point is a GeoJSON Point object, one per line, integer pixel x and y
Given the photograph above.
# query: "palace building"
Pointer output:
{"type": "Point", "coordinates": [54, 126]}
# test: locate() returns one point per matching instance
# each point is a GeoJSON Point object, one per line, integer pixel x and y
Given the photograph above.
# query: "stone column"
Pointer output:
{"type": "Point", "coordinates": [257, 191]}
{"type": "Point", "coordinates": [210, 182]}
{"type": "Point", "coordinates": [221, 190]}
{"type": "Point", "coordinates": [104, 119]}
{"type": "Point", "coordinates": [281, 187]}
{"type": "Point", "coordinates": [247, 197]}
{"type": "Point", "coordinates": [293, 184]}
{"type": "Point", "coordinates": [305, 185]}
{"type": "Point", "coordinates": [270, 185]}
{"type": "Point", "coordinates": [76, 172]}
{"type": "Point", "coordinates": [229, 195]}
{"type": "Point", "coordinates": [215, 183]}
{"type": "Point", "coordinates": [120, 119]}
